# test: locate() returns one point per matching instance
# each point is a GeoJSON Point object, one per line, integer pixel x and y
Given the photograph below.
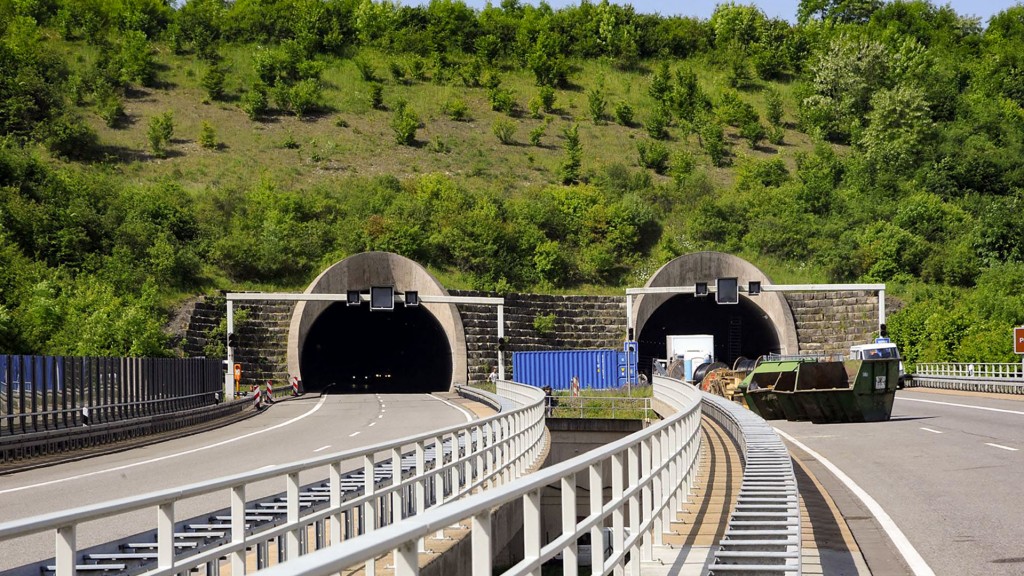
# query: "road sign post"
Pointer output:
{"type": "Point", "coordinates": [1018, 345]}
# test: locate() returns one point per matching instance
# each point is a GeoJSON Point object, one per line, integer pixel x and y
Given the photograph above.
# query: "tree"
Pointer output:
{"type": "Point", "coordinates": [161, 130]}
{"type": "Point", "coordinates": [899, 127]}
{"type": "Point", "coordinates": [570, 168]}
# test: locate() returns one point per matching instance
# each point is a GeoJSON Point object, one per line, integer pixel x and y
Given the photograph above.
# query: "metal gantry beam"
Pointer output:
{"type": "Point", "coordinates": [232, 297]}
{"type": "Point", "coordinates": [711, 288]}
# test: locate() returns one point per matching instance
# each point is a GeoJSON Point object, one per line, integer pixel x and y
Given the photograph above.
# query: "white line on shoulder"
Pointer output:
{"type": "Point", "coordinates": [914, 560]}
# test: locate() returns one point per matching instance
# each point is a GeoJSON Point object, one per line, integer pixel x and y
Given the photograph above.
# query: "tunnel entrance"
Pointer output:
{"type": "Point", "coordinates": [351, 350]}
{"type": "Point", "coordinates": [739, 329]}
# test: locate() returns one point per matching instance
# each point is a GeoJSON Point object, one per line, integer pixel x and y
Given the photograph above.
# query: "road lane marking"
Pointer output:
{"type": "Point", "coordinates": [322, 448]}
{"type": "Point", "coordinates": [1001, 447]}
{"type": "Point", "coordinates": [267, 467]}
{"type": "Point", "coordinates": [466, 413]}
{"type": "Point", "coordinates": [372, 423]}
{"type": "Point", "coordinates": [379, 416]}
{"type": "Point", "coordinates": [353, 434]}
{"type": "Point", "coordinates": [913, 559]}
{"type": "Point", "coordinates": [964, 406]}
{"type": "Point", "coordinates": [169, 456]}
{"type": "Point", "coordinates": [930, 430]}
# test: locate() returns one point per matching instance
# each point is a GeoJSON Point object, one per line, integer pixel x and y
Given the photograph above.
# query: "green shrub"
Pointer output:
{"type": "Point", "coordinates": [366, 70]}
{"type": "Point", "coordinates": [653, 155]}
{"type": "Point", "coordinates": [305, 97]}
{"type": "Point", "coordinates": [773, 106]}
{"type": "Point", "coordinates": [376, 95]}
{"type": "Point", "coordinates": [255, 102]}
{"type": "Point", "coordinates": [624, 113]}
{"type": "Point", "coordinates": [502, 100]}
{"type": "Point", "coordinates": [161, 130]}
{"type": "Point", "coordinates": [504, 129]}
{"type": "Point", "coordinates": [753, 133]}
{"type": "Point", "coordinates": [456, 109]}
{"type": "Point", "coordinates": [397, 72]}
{"type": "Point", "coordinates": [569, 171]}
{"type": "Point", "coordinates": [657, 124]}
{"type": "Point", "coordinates": [69, 137]}
{"type": "Point", "coordinates": [734, 111]}
{"type": "Point", "coordinates": [536, 134]}
{"type": "Point", "coordinates": [438, 145]}
{"type": "Point", "coordinates": [213, 82]}
{"type": "Point", "coordinates": [597, 103]}
{"type": "Point", "coordinates": [547, 98]}
{"type": "Point", "coordinates": [776, 135]}
{"type": "Point", "coordinates": [405, 123]}
{"type": "Point", "coordinates": [109, 106]}
{"type": "Point", "coordinates": [207, 136]}
{"type": "Point", "coordinates": [535, 107]}
{"type": "Point", "coordinates": [544, 324]}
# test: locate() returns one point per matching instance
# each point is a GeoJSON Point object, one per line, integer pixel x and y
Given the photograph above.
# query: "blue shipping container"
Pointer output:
{"type": "Point", "coordinates": [595, 368]}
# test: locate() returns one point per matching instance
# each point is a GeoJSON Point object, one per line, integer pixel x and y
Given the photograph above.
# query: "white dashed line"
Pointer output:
{"type": "Point", "coordinates": [930, 430]}
{"type": "Point", "coordinates": [322, 448]}
{"type": "Point", "coordinates": [372, 423]}
{"type": "Point", "coordinates": [380, 416]}
{"type": "Point", "coordinates": [353, 434]}
{"type": "Point", "coordinates": [1001, 447]}
{"type": "Point", "coordinates": [910, 554]}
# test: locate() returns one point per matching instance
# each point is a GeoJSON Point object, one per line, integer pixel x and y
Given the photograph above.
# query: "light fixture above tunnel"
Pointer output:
{"type": "Point", "coordinates": [727, 291]}
{"type": "Point", "coordinates": [412, 298]}
{"type": "Point", "coordinates": [353, 298]}
{"type": "Point", "coordinates": [700, 289]}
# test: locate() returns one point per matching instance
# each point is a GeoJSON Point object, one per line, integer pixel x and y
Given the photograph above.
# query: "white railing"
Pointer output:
{"type": "Point", "coordinates": [650, 473]}
{"type": "Point", "coordinates": [483, 454]}
{"type": "Point", "coordinates": [971, 376]}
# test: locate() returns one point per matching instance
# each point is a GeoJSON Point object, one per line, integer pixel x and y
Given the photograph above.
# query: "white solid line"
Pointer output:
{"type": "Point", "coordinates": [322, 448]}
{"type": "Point", "coordinates": [169, 456]}
{"type": "Point", "coordinates": [964, 406]}
{"type": "Point", "coordinates": [1001, 446]}
{"type": "Point", "coordinates": [930, 430]}
{"type": "Point", "coordinates": [466, 413]}
{"type": "Point", "coordinates": [268, 467]}
{"type": "Point", "coordinates": [353, 434]}
{"type": "Point", "coordinates": [914, 560]}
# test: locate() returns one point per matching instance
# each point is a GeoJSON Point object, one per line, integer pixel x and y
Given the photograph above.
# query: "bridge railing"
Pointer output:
{"type": "Point", "coordinates": [41, 393]}
{"type": "Point", "coordinates": [483, 454]}
{"type": "Point", "coordinates": [650, 473]}
{"type": "Point", "coordinates": [1002, 378]}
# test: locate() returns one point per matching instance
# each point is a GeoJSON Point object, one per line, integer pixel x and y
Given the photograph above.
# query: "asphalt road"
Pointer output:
{"type": "Point", "coordinates": [947, 468]}
{"type": "Point", "coordinates": [289, 431]}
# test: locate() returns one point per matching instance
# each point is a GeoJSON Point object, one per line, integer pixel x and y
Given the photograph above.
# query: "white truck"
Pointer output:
{"type": "Point", "coordinates": [881, 348]}
{"type": "Point", "coordinates": [695, 348]}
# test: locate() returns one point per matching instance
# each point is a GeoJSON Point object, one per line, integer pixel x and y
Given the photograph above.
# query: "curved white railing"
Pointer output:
{"type": "Point", "coordinates": [482, 454]}
{"type": "Point", "coordinates": [970, 376]}
{"type": "Point", "coordinates": [650, 473]}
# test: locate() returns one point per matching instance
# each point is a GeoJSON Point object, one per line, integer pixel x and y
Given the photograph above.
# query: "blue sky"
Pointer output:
{"type": "Point", "coordinates": [785, 9]}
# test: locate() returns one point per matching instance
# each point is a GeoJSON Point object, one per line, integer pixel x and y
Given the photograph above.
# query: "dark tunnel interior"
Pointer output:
{"type": "Point", "coordinates": [739, 329]}
{"type": "Point", "coordinates": [351, 350]}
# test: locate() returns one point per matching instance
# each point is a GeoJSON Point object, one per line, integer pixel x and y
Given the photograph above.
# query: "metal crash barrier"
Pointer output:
{"type": "Point", "coordinates": [763, 534]}
{"type": "Point", "coordinates": [971, 377]}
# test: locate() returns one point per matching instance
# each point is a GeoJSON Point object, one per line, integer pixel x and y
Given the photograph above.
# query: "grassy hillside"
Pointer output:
{"type": "Point", "coordinates": [152, 154]}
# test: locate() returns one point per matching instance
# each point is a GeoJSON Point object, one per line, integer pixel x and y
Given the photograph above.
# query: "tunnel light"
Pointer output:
{"type": "Point", "coordinates": [727, 291]}
{"type": "Point", "coordinates": [753, 288]}
{"type": "Point", "coordinates": [382, 298]}
{"type": "Point", "coordinates": [700, 289]}
{"type": "Point", "coordinates": [354, 298]}
{"type": "Point", "coordinates": [412, 298]}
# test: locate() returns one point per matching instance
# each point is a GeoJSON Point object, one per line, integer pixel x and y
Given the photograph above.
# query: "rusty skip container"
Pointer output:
{"type": "Point", "coordinates": [768, 390]}
{"type": "Point", "coordinates": [850, 391]}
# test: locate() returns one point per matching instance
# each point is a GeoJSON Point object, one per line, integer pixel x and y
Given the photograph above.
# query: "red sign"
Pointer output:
{"type": "Point", "coordinates": [1018, 340]}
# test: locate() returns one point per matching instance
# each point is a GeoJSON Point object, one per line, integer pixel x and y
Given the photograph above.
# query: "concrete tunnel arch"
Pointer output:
{"type": "Point", "coordinates": [758, 325]}
{"type": "Point", "coordinates": [350, 349]}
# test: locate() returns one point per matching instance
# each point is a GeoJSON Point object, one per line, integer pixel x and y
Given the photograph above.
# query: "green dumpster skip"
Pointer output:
{"type": "Point", "coordinates": [850, 391]}
{"type": "Point", "coordinates": [773, 383]}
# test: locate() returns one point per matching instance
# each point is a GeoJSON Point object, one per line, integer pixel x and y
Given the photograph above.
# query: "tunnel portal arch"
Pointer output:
{"type": "Point", "coordinates": [414, 349]}
{"type": "Point", "coordinates": [758, 325]}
